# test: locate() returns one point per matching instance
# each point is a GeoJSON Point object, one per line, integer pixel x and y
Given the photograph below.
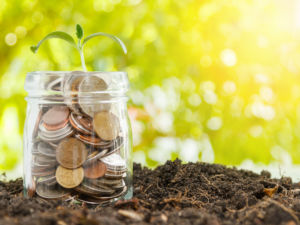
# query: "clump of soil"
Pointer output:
{"type": "Point", "coordinates": [174, 193]}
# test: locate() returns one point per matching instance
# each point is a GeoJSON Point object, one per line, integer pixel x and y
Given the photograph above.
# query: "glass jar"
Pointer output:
{"type": "Point", "coordinates": [77, 137]}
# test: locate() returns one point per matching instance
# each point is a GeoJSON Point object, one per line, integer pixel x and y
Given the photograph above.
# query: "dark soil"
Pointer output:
{"type": "Point", "coordinates": [175, 193]}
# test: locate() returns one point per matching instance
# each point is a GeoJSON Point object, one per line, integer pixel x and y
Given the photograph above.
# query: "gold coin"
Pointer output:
{"type": "Point", "coordinates": [106, 125]}
{"type": "Point", "coordinates": [71, 153]}
{"type": "Point", "coordinates": [69, 178]}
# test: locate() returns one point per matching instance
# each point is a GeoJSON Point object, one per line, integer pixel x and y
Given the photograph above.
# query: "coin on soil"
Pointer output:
{"type": "Point", "coordinates": [69, 178]}
{"type": "Point", "coordinates": [71, 153]}
{"type": "Point", "coordinates": [106, 125]}
{"type": "Point", "coordinates": [95, 170]}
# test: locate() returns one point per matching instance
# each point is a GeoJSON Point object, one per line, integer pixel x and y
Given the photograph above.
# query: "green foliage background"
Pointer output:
{"type": "Point", "coordinates": [212, 80]}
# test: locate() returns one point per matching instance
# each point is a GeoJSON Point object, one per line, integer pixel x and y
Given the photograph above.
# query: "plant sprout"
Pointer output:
{"type": "Point", "coordinates": [80, 42]}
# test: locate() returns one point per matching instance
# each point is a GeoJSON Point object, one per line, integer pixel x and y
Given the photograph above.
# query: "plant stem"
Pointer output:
{"type": "Point", "coordinates": [82, 60]}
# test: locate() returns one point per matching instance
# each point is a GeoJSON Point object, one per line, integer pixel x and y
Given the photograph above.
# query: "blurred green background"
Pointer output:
{"type": "Point", "coordinates": [211, 80]}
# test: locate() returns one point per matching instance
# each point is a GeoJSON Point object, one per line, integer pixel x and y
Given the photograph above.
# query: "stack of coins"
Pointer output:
{"type": "Point", "coordinates": [78, 145]}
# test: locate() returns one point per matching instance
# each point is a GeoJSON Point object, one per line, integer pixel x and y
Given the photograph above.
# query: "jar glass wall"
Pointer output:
{"type": "Point", "coordinates": [77, 137]}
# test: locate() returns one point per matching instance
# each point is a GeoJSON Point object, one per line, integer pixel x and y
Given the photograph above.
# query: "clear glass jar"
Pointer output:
{"type": "Point", "coordinates": [77, 137]}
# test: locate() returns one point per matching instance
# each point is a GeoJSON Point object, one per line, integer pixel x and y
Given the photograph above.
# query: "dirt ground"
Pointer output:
{"type": "Point", "coordinates": [174, 193]}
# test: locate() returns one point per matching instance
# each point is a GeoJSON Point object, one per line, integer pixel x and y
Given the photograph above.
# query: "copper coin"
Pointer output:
{"type": "Point", "coordinates": [69, 178]}
{"type": "Point", "coordinates": [91, 86]}
{"type": "Point", "coordinates": [106, 125]}
{"type": "Point", "coordinates": [95, 170]}
{"type": "Point", "coordinates": [81, 123]}
{"type": "Point", "coordinates": [71, 153]}
{"type": "Point", "coordinates": [55, 136]}
{"type": "Point", "coordinates": [92, 140]}
{"type": "Point", "coordinates": [56, 115]}
{"type": "Point", "coordinates": [56, 127]}
{"type": "Point", "coordinates": [50, 192]}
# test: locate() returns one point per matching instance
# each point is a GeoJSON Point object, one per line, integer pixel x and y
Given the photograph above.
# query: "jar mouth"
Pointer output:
{"type": "Point", "coordinates": [76, 83]}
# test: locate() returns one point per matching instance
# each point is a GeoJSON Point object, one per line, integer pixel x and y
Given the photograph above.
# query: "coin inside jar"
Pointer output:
{"type": "Point", "coordinates": [56, 116]}
{"type": "Point", "coordinates": [93, 84]}
{"type": "Point", "coordinates": [106, 125]}
{"type": "Point", "coordinates": [81, 123]}
{"type": "Point", "coordinates": [71, 153]}
{"type": "Point", "coordinates": [95, 170]}
{"type": "Point", "coordinates": [69, 178]}
{"type": "Point", "coordinates": [50, 192]}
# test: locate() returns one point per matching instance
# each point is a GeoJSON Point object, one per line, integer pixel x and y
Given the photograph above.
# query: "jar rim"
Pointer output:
{"type": "Point", "coordinates": [45, 83]}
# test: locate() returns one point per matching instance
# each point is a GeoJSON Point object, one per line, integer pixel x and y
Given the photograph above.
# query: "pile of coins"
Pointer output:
{"type": "Point", "coordinates": [78, 146]}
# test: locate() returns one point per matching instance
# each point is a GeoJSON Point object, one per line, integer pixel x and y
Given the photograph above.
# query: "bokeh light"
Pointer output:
{"type": "Point", "coordinates": [208, 78]}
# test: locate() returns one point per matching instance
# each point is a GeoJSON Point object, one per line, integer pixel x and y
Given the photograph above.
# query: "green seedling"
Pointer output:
{"type": "Point", "coordinates": [80, 41]}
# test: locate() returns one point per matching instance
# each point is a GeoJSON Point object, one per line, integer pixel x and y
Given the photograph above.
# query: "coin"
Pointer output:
{"type": "Point", "coordinates": [71, 86]}
{"type": "Point", "coordinates": [69, 178]}
{"type": "Point", "coordinates": [55, 136]}
{"type": "Point", "coordinates": [92, 190]}
{"type": "Point", "coordinates": [92, 140]}
{"type": "Point", "coordinates": [46, 150]}
{"type": "Point", "coordinates": [106, 125]}
{"type": "Point", "coordinates": [116, 195]}
{"type": "Point", "coordinates": [42, 172]}
{"type": "Point", "coordinates": [114, 162]}
{"type": "Point", "coordinates": [91, 200]}
{"type": "Point", "coordinates": [81, 123]}
{"type": "Point", "coordinates": [100, 190]}
{"type": "Point", "coordinates": [71, 153]}
{"type": "Point", "coordinates": [47, 180]}
{"type": "Point", "coordinates": [94, 156]}
{"type": "Point", "coordinates": [95, 170]}
{"type": "Point", "coordinates": [44, 160]}
{"type": "Point", "coordinates": [50, 192]}
{"type": "Point", "coordinates": [56, 115]}
{"type": "Point", "coordinates": [104, 181]}
{"type": "Point", "coordinates": [90, 87]}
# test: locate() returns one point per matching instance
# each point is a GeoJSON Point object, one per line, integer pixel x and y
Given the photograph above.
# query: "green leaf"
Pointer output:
{"type": "Point", "coordinates": [56, 34]}
{"type": "Point", "coordinates": [116, 39]}
{"type": "Point", "coordinates": [79, 31]}
{"type": "Point", "coordinates": [33, 48]}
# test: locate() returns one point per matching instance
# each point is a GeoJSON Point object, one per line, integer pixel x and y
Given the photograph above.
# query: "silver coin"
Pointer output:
{"type": "Point", "coordinates": [92, 201]}
{"type": "Point", "coordinates": [47, 180]}
{"type": "Point", "coordinates": [94, 156]}
{"type": "Point", "coordinates": [120, 185]}
{"type": "Point", "coordinates": [46, 149]}
{"type": "Point", "coordinates": [103, 181]}
{"type": "Point", "coordinates": [40, 172]}
{"type": "Point", "coordinates": [92, 190]}
{"type": "Point", "coordinates": [114, 162]}
{"type": "Point", "coordinates": [116, 195]}
{"type": "Point", "coordinates": [43, 160]}
{"type": "Point", "coordinates": [114, 176]}
{"type": "Point", "coordinates": [101, 190]}
{"type": "Point", "coordinates": [51, 192]}
{"type": "Point", "coordinates": [55, 136]}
